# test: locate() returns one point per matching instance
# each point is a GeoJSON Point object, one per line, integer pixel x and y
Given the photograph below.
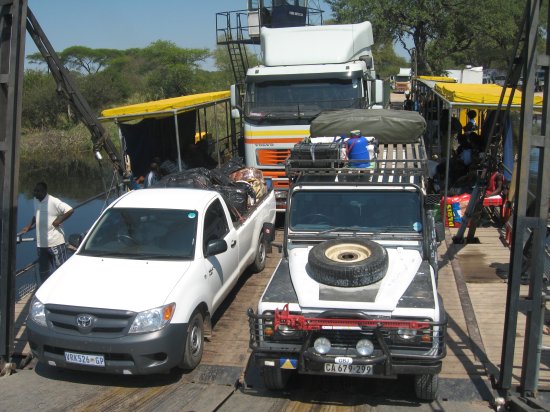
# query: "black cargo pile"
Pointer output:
{"type": "Point", "coordinates": [315, 155]}
{"type": "Point", "coordinates": [237, 195]}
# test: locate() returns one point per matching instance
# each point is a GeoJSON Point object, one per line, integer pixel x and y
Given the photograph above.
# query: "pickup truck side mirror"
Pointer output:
{"type": "Point", "coordinates": [75, 239]}
{"type": "Point", "coordinates": [215, 247]}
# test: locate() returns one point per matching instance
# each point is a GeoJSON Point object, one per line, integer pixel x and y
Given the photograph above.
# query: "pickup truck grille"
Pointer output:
{"type": "Point", "coordinates": [76, 321]}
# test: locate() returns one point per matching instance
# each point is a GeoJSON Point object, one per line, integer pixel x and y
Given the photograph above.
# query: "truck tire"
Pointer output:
{"type": "Point", "coordinates": [275, 379]}
{"type": "Point", "coordinates": [426, 387]}
{"type": "Point", "coordinates": [194, 343]}
{"type": "Point", "coordinates": [348, 262]}
{"type": "Point", "coordinates": [261, 256]}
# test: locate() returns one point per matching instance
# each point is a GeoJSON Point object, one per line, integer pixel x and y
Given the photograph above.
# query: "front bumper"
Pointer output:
{"type": "Point", "coordinates": [387, 360]}
{"type": "Point", "coordinates": [139, 354]}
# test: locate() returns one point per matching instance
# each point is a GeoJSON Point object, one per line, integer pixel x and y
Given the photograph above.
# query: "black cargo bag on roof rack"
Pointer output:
{"type": "Point", "coordinates": [316, 155]}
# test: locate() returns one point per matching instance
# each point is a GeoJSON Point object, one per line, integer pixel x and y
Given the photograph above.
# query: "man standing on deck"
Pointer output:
{"type": "Point", "coordinates": [50, 213]}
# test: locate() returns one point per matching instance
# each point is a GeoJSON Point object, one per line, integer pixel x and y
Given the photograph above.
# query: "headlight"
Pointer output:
{"type": "Point", "coordinates": [322, 345]}
{"type": "Point", "coordinates": [406, 334]}
{"type": "Point", "coordinates": [153, 319]}
{"type": "Point", "coordinates": [364, 347]}
{"type": "Point", "coordinates": [37, 312]}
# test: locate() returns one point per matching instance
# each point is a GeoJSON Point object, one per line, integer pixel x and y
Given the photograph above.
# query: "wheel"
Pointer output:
{"type": "Point", "coordinates": [194, 344]}
{"type": "Point", "coordinates": [348, 262]}
{"type": "Point", "coordinates": [275, 379]}
{"type": "Point", "coordinates": [261, 256]}
{"type": "Point", "coordinates": [127, 240]}
{"type": "Point", "coordinates": [426, 386]}
{"type": "Point", "coordinates": [316, 218]}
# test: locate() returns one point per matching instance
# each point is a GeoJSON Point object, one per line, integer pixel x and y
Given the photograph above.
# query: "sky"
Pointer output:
{"type": "Point", "coordinates": [124, 24]}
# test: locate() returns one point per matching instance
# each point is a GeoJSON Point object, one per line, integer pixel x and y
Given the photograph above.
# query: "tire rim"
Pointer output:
{"type": "Point", "coordinates": [195, 339]}
{"type": "Point", "coordinates": [347, 253]}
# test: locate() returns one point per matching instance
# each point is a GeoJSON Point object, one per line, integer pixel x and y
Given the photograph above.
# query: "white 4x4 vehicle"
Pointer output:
{"type": "Point", "coordinates": [355, 292]}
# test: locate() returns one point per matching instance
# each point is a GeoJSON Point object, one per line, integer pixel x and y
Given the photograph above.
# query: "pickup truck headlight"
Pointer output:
{"type": "Point", "coordinates": [153, 319]}
{"type": "Point", "coordinates": [37, 312]}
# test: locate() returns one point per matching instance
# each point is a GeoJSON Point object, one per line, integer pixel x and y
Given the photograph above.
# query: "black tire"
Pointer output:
{"type": "Point", "coordinates": [261, 256]}
{"type": "Point", "coordinates": [426, 387]}
{"type": "Point", "coordinates": [275, 379]}
{"type": "Point", "coordinates": [194, 343]}
{"type": "Point", "coordinates": [348, 262]}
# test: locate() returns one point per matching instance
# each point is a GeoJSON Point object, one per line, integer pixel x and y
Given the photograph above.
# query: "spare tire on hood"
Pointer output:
{"type": "Point", "coordinates": [348, 262]}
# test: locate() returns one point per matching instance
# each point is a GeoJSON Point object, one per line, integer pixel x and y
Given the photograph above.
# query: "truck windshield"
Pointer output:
{"type": "Point", "coordinates": [300, 99]}
{"type": "Point", "coordinates": [143, 234]}
{"type": "Point", "coordinates": [402, 79]}
{"type": "Point", "coordinates": [362, 211]}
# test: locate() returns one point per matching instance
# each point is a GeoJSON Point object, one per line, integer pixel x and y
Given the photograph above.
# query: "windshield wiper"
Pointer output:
{"type": "Point", "coordinates": [353, 229]}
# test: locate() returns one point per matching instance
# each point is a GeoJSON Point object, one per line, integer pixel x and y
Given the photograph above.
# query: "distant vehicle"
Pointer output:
{"type": "Point", "coordinates": [402, 82]}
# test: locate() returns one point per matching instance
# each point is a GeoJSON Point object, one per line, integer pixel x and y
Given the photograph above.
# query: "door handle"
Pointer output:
{"type": "Point", "coordinates": [233, 243]}
{"type": "Point", "coordinates": [211, 271]}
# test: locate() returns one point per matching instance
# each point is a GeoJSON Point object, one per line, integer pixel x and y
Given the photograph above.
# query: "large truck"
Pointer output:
{"type": "Point", "coordinates": [305, 70]}
{"type": "Point", "coordinates": [402, 82]}
{"type": "Point", "coordinates": [355, 293]}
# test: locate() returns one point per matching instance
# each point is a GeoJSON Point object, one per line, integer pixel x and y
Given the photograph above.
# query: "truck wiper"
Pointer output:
{"type": "Point", "coordinates": [353, 229]}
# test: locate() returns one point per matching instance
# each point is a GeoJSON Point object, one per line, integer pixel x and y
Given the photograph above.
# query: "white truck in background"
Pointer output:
{"type": "Point", "coordinates": [305, 70]}
{"type": "Point", "coordinates": [402, 82]}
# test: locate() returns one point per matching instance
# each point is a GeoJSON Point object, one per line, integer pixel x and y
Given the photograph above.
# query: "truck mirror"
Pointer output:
{"type": "Point", "coordinates": [75, 239]}
{"type": "Point", "coordinates": [235, 101]}
{"type": "Point", "coordinates": [215, 247]}
{"type": "Point", "coordinates": [378, 95]}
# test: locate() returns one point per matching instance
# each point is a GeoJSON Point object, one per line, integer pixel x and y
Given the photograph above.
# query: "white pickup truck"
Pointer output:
{"type": "Point", "coordinates": [355, 293]}
{"type": "Point", "coordinates": [138, 294]}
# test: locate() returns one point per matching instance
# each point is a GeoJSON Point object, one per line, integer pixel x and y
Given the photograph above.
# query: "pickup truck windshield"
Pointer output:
{"type": "Point", "coordinates": [143, 234]}
{"type": "Point", "coordinates": [363, 211]}
{"type": "Point", "coordinates": [297, 99]}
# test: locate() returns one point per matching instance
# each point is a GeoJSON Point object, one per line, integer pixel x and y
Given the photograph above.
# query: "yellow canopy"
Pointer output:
{"type": "Point", "coordinates": [162, 108]}
{"type": "Point", "coordinates": [442, 79]}
{"type": "Point", "coordinates": [487, 95]}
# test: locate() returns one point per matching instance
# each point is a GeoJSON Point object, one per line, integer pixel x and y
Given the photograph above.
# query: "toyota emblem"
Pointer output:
{"type": "Point", "coordinates": [84, 321]}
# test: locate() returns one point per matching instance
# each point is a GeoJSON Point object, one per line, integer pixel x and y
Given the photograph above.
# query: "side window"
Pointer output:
{"type": "Point", "coordinates": [215, 223]}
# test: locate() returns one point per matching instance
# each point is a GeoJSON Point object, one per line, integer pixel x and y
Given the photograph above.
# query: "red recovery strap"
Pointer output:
{"type": "Point", "coordinates": [300, 322]}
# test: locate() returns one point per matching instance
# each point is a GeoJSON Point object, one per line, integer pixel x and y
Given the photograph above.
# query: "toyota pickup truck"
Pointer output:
{"type": "Point", "coordinates": [355, 293]}
{"type": "Point", "coordinates": [138, 294]}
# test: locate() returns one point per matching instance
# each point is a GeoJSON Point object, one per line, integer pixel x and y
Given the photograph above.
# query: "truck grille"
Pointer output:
{"type": "Point", "coordinates": [76, 321]}
{"type": "Point", "coordinates": [272, 157]}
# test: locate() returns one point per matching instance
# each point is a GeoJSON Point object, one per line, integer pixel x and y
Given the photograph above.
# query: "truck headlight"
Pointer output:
{"type": "Point", "coordinates": [153, 319]}
{"type": "Point", "coordinates": [364, 347]}
{"type": "Point", "coordinates": [37, 312]}
{"type": "Point", "coordinates": [322, 345]}
{"type": "Point", "coordinates": [406, 334]}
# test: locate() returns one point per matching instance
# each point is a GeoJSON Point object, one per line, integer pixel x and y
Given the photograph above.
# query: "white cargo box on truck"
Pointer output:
{"type": "Point", "coordinates": [316, 44]}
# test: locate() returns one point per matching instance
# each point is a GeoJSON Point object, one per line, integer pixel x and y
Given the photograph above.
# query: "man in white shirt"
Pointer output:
{"type": "Point", "coordinates": [50, 213]}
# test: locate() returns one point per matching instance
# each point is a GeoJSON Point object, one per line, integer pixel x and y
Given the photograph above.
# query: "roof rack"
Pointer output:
{"type": "Point", "coordinates": [393, 163]}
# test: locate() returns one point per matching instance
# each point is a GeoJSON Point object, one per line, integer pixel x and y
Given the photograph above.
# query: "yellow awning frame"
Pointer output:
{"type": "Point", "coordinates": [163, 108]}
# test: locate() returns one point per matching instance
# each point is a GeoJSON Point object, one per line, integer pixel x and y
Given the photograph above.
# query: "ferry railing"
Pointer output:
{"type": "Point", "coordinates": [27, 282]}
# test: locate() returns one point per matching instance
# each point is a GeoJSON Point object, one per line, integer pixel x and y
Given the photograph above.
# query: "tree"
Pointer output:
{"type": "Point", "coordinates": [439, 29]}
{"type": "Point", "coordinates": [386, 62]}
{"type": "Point", "coordinates": [86, 60]}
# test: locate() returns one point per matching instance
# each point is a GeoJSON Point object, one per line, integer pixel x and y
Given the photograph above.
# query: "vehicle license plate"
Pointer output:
{"type": "Point", "coordinates": [349, 369]}
{"type": "Point", "coordinates": [82, 359]}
